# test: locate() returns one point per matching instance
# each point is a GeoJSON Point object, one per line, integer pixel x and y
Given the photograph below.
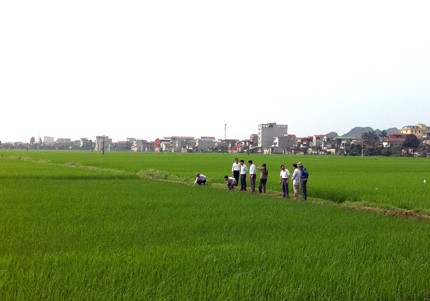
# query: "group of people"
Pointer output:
{"type": "Point", "coordinates": [240, 170]}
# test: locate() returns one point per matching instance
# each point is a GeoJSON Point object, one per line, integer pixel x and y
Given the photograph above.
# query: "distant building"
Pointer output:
{"type": "Point", "coordinates": [64, 140]}
{"type": "Point", "coordinates": [426, 139]}
{"type": "Point", "coordinates": [103, 143]}
{"type": "Point", "coordinates": [344, 143]}
{"type": "Point", "coordinates": [182, 143]}
{"type": "Point", "coordinates": [395, 139]}
{"type": "Point", "coordinates": [268, 132]}
{"type": "Point", "coordinates": [121, 146]}
{"type": "Point", "coordinates": [418, 130]}
{"type": "Point", "coordinates": [205, 144]}
{"type": "Point", "coordinates": [318, 141]}
{"type": "Point", "coordinates": [305, 142]}
{"type": "Point", "coordinates": [139, 145]}
{"type": "Point", "coordinates": [48, 140]}
{"type": "Point", "coordinates": [162, 145]}
{"type": "Point", "coordinates": [85, 143]}
{"type": "Point", "coordinates": [227, 145]}
{"type": "Point", "coordinates": [282, 145]}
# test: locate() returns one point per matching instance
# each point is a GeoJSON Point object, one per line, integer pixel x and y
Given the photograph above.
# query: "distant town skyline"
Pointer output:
{"type": "Point", "coordinates": [153, 69]}
{"type": "Point", "coordinates": [54, 138]}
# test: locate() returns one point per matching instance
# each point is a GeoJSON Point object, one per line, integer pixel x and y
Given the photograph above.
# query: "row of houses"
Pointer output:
{"type": "Point", "coordinates": [272, 138]}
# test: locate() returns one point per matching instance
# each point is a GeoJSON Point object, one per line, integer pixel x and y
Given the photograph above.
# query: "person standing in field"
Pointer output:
{"type": "Point", "coordinates": [263, 178]}
{"type": "Point", "coordinates": [200, 179]}
{"type": "Point", "coordinates": [235, 170]}
{"type": "Point", "coordinates": [284, 177]}
{"type": "Point", "coordinates": [296, 180]}
{"type": "Point", "coordinates": [243, 172]}
{"type": "Point", "coordinates": [304, 175]}
{"type": "Point", "coordinates": [231, 182]}
{"type": "Point", "coordinates": [252, 175]}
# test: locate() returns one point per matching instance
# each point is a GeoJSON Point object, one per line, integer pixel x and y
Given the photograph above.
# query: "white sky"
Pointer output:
{"type": "Point", "coordinates": [148, 69]}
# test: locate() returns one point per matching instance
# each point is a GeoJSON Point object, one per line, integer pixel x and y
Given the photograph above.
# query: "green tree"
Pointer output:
{"type": "Point", "coordinates": [383, 134]}
{"type": "Point", "coordinates": [355, 150]}
{"type": "Point", "coordinates": [370, 142]}
{"type": "Point", "coordinates": [411, 141]}
{"type": "Point", "coordinates": [370, 138]}
{"type": "Point", "coordinates": [32, 140]}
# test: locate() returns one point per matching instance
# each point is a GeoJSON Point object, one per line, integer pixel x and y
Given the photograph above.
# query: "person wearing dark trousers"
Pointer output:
{"type": "Point", "coordinates": [284, 175]}
{"type": "Point", "coordinates": [235, 170]}
{"type": "Point", "coordinates": [231, 182]}
{"type": "Point", "coordinates": [243, 172]}
{"type": "Point", "coordinates": [263, 178]}
{"type": "Point", "coordinates": [303, 180]}
{"type": "Point", "coordinates": [252, 175]}
{"type": "Point", "coordinates": [200, 179]}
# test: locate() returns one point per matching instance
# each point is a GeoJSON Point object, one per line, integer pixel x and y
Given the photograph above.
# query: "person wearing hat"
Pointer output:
{"type": "Point", "coordinates": [303, 180]}
{"type": "Point", "coordinates": [263, 178]}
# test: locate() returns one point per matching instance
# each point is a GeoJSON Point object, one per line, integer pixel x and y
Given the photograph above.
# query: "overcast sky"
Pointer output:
{"type": "Point", "coordinates": [148, 69]}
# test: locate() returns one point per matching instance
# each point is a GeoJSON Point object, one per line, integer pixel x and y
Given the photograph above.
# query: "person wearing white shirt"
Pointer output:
{"type": "Point", "coordinates": [235, 170]}
{"type": "Point", "coordinates": [285, 174]}
{"type": "Point", "coordinates": [243, 172]}
{"type": "Point", "coordinates": [231, 182]}
{"type": "Point", "coordinates": [296, 181]}
{"type": "Point", "coordinates": [200, 179]}
{"type": "Point", "coordinates": [252, 175]}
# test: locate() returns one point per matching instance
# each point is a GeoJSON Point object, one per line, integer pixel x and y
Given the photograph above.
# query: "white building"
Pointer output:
{"type": "Point", "coordinates": [103, 143]}
{"type": "Point", "coordinates": [48, 140]}
{"type": "Point", "coordinates": [268, 132]}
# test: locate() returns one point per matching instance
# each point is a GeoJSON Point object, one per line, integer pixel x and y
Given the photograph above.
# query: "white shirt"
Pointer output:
{"type": "Point", "coordinates": [252, 169]}
{"type": "Point", "coordinates": [243, 169]}
{"type": "Point", "coordinates": [284, 174]}
{"type": "Point", "coordinates": [202, 177]}
{"type": "Point", "coordinates": [296, 176]}
{"type": "Point", "coordinates": [231, 181]}
{"type": "Point", "coordinates": [235, 167]}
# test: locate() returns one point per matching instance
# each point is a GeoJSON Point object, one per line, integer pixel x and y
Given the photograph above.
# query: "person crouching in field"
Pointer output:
{"type": "Point", "coordinates": [231, 182]}
{"type": "Point", "coordinates": [263, 178]}
{"type": "Point", "coordinates": [200, 179]}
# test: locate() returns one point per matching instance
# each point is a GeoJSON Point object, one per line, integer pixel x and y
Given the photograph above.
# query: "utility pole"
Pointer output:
{"type": "Point", "coordinates": [225, 131]}
{"type": "Point", "coordinates": [103, 144]}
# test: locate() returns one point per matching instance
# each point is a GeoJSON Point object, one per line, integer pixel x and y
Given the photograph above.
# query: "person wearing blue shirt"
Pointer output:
{"type": "Point", "coordinates": [303, 180]}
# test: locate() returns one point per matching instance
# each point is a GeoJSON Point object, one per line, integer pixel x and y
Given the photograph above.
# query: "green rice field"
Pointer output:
{"type": "Point", "coordinates": [131, 226]}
